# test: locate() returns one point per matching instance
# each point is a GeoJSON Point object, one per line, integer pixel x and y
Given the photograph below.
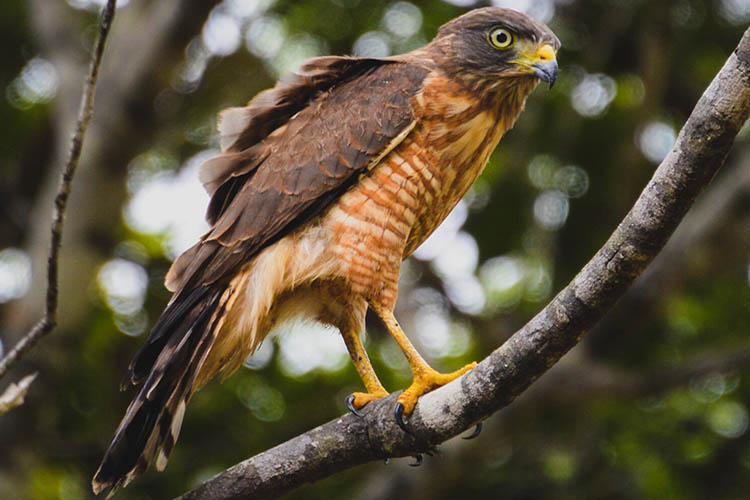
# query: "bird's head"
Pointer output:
{"type": "Point", "coordinates": [495, 43]}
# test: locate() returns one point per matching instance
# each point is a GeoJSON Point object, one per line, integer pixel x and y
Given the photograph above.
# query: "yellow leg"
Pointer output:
{"type": "Point", "coordinates": [426, 378]}
{"type": "Point", "coordinates": [365, 370]}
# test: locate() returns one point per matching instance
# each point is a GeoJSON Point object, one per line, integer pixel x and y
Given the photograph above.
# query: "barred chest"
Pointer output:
{"type": "Point", "coordinates": [395, 207]}
{"type": "Point", "coordinates": [458, 131]}
{"type": "Point", "coordinates": [443, 169]}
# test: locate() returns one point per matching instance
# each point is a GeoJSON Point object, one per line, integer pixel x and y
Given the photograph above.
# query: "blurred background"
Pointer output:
{"type": "Point", "coordinates": [652, 404]}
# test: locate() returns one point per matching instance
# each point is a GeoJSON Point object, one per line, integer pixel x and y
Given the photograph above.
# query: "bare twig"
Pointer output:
{"type": "Point", "coordinates": [15, 393]}
{"type": "Point", "coordinates": [48, 322]}
{"type": "Point", "coordinates": [345, 442]}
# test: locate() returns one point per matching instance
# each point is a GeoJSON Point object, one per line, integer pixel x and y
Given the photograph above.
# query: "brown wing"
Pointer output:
{"type": "Point", "coordinates": [340, 123]}
{"type": "Point", "coordinates": [243, 129]}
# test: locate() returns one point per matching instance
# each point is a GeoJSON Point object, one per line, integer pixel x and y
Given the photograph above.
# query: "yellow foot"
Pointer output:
{"type": "Point", "coordinates": [359, 399]}
{"type": "Point", "coordinates": [425, 380]}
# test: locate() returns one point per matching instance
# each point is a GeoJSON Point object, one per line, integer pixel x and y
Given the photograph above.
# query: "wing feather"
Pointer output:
{"type": "Point", "coordinates": [241, 129]}
{"type": "Point", "coordinates": [270, 180]}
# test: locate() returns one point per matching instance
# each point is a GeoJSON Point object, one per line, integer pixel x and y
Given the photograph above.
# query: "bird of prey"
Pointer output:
{"type": "Point", "coordinates": [324, 184]}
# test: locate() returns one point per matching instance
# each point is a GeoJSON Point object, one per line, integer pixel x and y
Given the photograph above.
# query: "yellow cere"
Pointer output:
{"type": "Point", "coordinates": [546, 52]}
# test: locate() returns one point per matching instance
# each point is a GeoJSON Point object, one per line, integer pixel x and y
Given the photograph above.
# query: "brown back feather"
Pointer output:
{"type": "Point", "coordinates": [242, 130]}
{"type": "Point", "coordinates": [355, 109]}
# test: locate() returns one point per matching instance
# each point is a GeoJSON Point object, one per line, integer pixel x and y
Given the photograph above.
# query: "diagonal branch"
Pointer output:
{"type": "Point", "coordinates": [699, 151]}
{"type": "Point", "coordinates": [48, 322]}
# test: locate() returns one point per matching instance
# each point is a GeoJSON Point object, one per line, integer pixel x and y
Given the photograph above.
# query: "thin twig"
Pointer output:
{"type": "Point", "coordinates": [49, 321]}
{"type": "Point", "coordinates": [698, 153]}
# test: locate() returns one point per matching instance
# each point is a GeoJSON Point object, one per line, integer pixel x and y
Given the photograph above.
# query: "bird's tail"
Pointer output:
{"type": "Point", "coordinates": [168, 361]}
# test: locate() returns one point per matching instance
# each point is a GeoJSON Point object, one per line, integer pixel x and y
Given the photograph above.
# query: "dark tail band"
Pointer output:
{"type": "Point", "coordinates": [168, 361]}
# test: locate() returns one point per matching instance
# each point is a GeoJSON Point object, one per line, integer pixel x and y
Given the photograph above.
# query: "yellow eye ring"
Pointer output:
{"type": "Point", "coordinates": [501, 38]}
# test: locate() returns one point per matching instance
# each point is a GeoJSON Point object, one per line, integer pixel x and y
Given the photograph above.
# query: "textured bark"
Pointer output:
{"type": "Point", "coordinates": [345, 442]}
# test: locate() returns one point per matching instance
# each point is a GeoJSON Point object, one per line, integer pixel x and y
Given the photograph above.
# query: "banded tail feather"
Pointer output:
{"type": "Point", "coordinates": [169, 362]}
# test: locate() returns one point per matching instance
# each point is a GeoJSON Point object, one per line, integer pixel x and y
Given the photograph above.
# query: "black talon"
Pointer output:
{"type": "Point", "coordinates": [418, 462]}
{"type": "Point", "coordinates": [399, 415]}
{"type": "Point", "coordinates": [350, 405]}
{"type": "Point", "coordinates": [477, 431]}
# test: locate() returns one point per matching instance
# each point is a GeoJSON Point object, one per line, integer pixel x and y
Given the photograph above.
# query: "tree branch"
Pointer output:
{"type": "Point", "coordinates": [347, 441]}
{"type": "Point", "coordinates": [48, 322]}
{"type": "Point", "coordinates": [578, 382]}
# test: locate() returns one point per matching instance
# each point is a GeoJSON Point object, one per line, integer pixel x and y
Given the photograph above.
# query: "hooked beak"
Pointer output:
{"type": "Point", "coordinates": [546, 71]}
{"type": "Point", "coordinates": [545, 65]}
{"type": "Point", "coordinates": [542, 62]}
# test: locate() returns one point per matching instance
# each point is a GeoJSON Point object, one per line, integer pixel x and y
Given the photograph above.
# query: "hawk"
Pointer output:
{"type": "Point", "coordinates": [324, 184]}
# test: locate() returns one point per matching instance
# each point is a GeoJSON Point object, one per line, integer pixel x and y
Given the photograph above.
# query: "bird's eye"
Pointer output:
{"type": "Point", "coordinates": [501, 38]}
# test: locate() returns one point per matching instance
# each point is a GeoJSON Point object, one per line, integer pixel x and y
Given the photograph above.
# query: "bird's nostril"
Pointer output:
{"type": "Point", "coordinates": [545, 52]}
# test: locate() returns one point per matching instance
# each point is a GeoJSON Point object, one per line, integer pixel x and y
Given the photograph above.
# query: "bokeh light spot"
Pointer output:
{"type": "Point", "coordinates": [458, 258]}
{"type": "Point", "coordinates": [261, 357]}
{"type": "Point", "coordinates": [708, 389]}
{"type": "Point", "coordinates": [265, 36]}
{"type": "Point", "coordinates": [542, 10]}
{"type": "Point", "coordinates": [432, 330]}
{"type": "Point", "coordinates": [403, 19]}
{"type": "Point", "coordinates": [392, 356]}
{"type": "Point", "coordinates": [728, 419]}
{"type": "Point", "coordinates": [168, 204]}
{"type": "Point", "coordinates": [265, 402]}
{"type": "Point", "coordinates": [191, 71]}
{"type": "Point", "coordinates": [307, 346]}
{"type": "Point", "coordinates": [246, 9]}
{"type": "Point", "coordinates": [15, 274]}
{"type": "Point", "coordinates": [461, 3]}
{"type": "Point", "coordinates": [655, 140]}
{"type": "Point", "coordinates": [372, 44]}
{"type": "Point", "coordinates": [295, 50]}
{"type": "Point", "coordinates": [123, 284]}
{"type": "Point", "coordinates": [572, 180]}
{"type": "Point", "coordinates": [37, 83]}
{"type": "Point", "coordinates": [221, 33]}
{"type": "Point", "coordinates": [735, 11]}
{"type": "Point", "coordinates": [444, 234]}
{"type": "Point", "coordinates": [502, 278]}
{"type": "Point", "coordinates": [551, 209]}
{"type": "Point", "coordinates": [630, 92]}
{"type": "Point", "coordinates": [593, 94]}
{"type": "Point", "coordinates": [541, 171]}
{"type": "Point", "coordinates": [132, 324]}
{"type": "Point", "coordinates": [466, 293]}
{"type": "Point", "coordinates": [538, 282]}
